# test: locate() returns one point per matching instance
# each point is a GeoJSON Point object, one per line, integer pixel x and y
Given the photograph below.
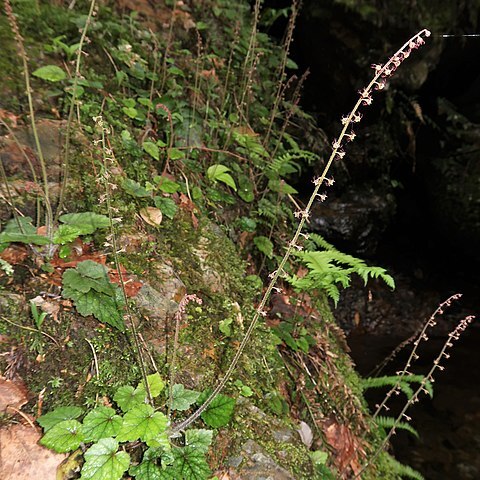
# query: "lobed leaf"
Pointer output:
{"type": "Point", "coordinates": [142, 423]}
{"type": "Point", "coordinates": [104, 462]}
{"type": "Point", "coordinates": [101, 422]}
{"type": "Point", "coordinates": [58, 415]}
{"type": "Point", "coordinates": [183, 398]}
{"type": "Point", "coordinates": [65, 436]}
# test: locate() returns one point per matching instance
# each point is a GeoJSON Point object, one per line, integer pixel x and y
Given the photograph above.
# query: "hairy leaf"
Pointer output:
{"type": "Point", "coordinates": [90, 288]}
{"type": "Point", "coordinates": [167, 206]}
{"type": "Point", "coordinates": [86, 222]}
{"type": "Point", "coordinates": [200, 439]}
{"type": "Point", "coordinates": [63, 437]}
{"type": "Point", "coordinates": [183, 398]}
{"type": "Point", "coordinates": [100, 423]}
{"type": "Point", "coordinates": [190, 464]}
{"type": "Point", "coordinates": [128, 397]}
{"type": "Point", "coordinates": [142, 422]}
{"type": "Point", "coordinates": [219, 412]}
{"type": "Point", "coordinates": [104, 462]}
{"type": "Point", "coordinates": [58, 415]}
{"type": "Point", "coordinates": [51, 73]}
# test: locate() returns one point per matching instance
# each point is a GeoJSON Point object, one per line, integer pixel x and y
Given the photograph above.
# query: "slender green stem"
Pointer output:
{"type": "Point", "coordinates": [71, 111]}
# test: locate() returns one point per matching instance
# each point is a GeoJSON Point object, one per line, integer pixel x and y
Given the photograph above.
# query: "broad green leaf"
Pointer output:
{"type": "Point", "coordinates": [225, 326]}
{"type": "Point", "coordinates": [21, 230]}
{"type": "Point", "coordinates": [51, 73]}
{"type": "Point", "coordinates": [248, 224]}
{"type": "Point", "coordinates": [64, 436]}
{"type": "Point", "coordinates": [86, 222]}
{"type": "Point", "coordinates": [130, 112]}
{"type": "Point", "coordinates": [148, 469]}
{"type": "Point", "coordinates": [73, 279]}
{"type": "Point", "coordinates": [280, 186]}
{"type": "Point", "coordinates": [152, 149]}
{"type": "Point", "coordinates": [103, 462]}
{"type": "Point", "coordinates": [190, 464]}
{"type": "Point", "coordinates": [66, 234]}
{"type": "Point", "coordinates": [200, 438]}
{"type": "Point", "coordinates": [103, 307]}
{"type": "Point", "coordinates": [142, 422]}
{"type": "Point", "coordinates": [128, 397]}
{"type": "Point", "coordinates": [20, 225]}
{"type": "Point", "coordinates": [183, 398]}
{"type": "Point", "coordinates": [175, 71]}
{"type": "Point", "coordinates": [166, 185]}
{"type": "Point", "coordinates": [155, 385]}
{"type": "Point", "coordinates": [318, 457]}
{"type": "Point", "coordinates": [219, 412]}
{"type": "Point", "coordinates": [166, 205]}
{"type": "Point", "coordinates": [90, 288]}
{"type": "Point", "coordinates": [264, 245]}
{"type": "Point", "coordinates": [245, 189]}
{"type": "Point", "coordinates": [218, 173]}
{"type": "Point", "coordinates": [162, 441]}
{"type": "Point", "coordinates": [91, 269]}
{"type": "Point", "coordinates": [6, 237]}
{"type": "Point", "coordinates": [175, 154]}
{"type": "Point", "coordinates": [58, 415]}
{"type": "Point", "coordinates": [134, 189]}
{"type": "Point", "coordinates": [100, 423]}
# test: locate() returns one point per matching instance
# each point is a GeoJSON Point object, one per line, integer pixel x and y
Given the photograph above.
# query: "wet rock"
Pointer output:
{"type": "Point", "coordinates": [210, 276]}
{"type": "Point", "coordinates": [355, 221]}
{"type": "Point", "coordinates": [160, 298]}
{"type": "Point", "coordinates": [258, 465]}
{"type": "Point", "coordinates": [19, 152]}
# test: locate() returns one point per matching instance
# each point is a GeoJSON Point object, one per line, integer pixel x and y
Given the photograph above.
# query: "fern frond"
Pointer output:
{"type": "Point", "coordinates": [332, 291]}
{"type": "Point", "coordinates": [402, 382]}
{"type": "Point", "coordinates": [389, 423]}
{"type": "Point", "coordinates": [319, 241]}
{"type": "Point", "coordinates": [403, 470]}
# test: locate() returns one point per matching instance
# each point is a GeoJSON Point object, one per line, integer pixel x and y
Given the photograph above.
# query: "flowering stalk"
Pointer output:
{"type": "Point", "coordinates": [382, 73]}
{"type": "Point", "coordinates": [422, 336]}
{"type": "Point", "coordinates": [452, 336]}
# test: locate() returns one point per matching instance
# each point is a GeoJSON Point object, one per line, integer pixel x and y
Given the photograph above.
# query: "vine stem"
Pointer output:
{"type": "Point", "coordinates": [381, 72]}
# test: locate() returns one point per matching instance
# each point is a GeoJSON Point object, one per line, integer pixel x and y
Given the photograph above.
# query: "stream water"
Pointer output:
{"type": "Point", "coordinates": [449, 424]}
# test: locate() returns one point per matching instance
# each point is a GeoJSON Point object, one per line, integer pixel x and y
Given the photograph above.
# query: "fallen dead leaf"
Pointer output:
{"type": "Point", "coordinates": [187, 205]}
{"type": "Point", "coordinates": [342, 440]}
{"type": "Point", "coordinates": [21, 458]}
{"type": "Point", "coordinates": [15, 254]}
{"type": "Point", "coordinates": [13, 393]}
{"type": "Point", "coordinates": [50, 308]}
{"type": "Point", "coordinates": [306, 434]}
{"type": "Point", "coordinates": [151, 215]}
{"type": "Point", "coordinates": [9, 117]}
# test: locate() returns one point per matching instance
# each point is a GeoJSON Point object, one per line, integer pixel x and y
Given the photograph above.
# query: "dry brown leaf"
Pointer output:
{"type": "Point", "coordinates": [151, 215]}
{"type": "Point", "coordinates": [21, 458]}
{"type": "Point", "coordinates": [340, 438]}
{"type": "Point", "coordinates": [13, 393]}
{"type": "Point", "coordinates": [15, 254]}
